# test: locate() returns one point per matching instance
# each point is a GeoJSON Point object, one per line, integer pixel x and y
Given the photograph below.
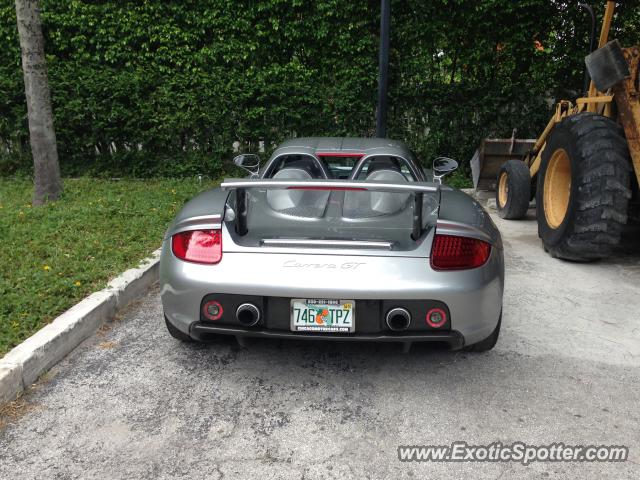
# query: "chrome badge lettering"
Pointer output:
{"type": "Point", "coordinates": [342, 266]}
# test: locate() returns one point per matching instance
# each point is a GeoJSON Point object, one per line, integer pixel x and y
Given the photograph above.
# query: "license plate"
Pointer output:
{"type": "Point", "coordinates": [322, 315]}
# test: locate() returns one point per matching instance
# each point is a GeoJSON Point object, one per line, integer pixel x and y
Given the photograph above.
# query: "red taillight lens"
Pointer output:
{"type": "Point", "coordinates": [198, 246]}
{"type": "Point", "coordinates": [458, 253]}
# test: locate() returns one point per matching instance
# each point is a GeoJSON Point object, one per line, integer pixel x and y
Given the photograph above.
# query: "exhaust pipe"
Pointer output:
{"type": "Point", "coordinates": [398, 319]}
{"type": "Point", "coordinates": [248, 314]}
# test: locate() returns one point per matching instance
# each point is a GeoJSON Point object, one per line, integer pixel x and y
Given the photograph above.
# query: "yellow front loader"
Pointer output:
{"type": "Point", "coordinates": [584, 167]}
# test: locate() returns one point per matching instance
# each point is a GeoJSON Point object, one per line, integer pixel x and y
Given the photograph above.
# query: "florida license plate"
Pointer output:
{"type": "Point", "coordinates": [322, 315]}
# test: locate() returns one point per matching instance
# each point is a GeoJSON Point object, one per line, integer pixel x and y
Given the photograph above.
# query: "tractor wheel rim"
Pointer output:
{"type": "Point", "coordinates": [503, 190]}
{"type": "Point", "coordinates": [557, 188]}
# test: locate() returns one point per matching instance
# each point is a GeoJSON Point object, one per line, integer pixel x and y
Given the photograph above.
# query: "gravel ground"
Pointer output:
{"type": "Point", "coordinates": [135, 403]}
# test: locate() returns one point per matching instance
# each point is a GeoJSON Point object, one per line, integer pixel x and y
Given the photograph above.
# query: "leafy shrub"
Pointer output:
{"type": "Point", "coordinates": [166, 88]}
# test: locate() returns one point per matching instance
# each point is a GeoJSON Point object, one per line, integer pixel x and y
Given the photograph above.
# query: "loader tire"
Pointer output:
{"type": "Point", "coordinates": [583, 188]}
{"type": "Point", "coordinates": [513, 190]}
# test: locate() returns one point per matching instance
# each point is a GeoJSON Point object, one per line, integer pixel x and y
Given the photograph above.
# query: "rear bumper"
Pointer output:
{"type": "Point", "coordinates": [473, 297]}
{"type": "Point", "coordinates": [455, 340]}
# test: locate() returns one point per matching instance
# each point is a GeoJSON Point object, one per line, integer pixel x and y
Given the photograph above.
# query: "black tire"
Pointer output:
{"type": "Point", "coordinates": [513, 202]}
{"type": "Point", "coordinates": [489, 342]}
{"type": "Point", "coordinates": [599, 192]}
{"type": "Point", "coordinates": [175, 333]}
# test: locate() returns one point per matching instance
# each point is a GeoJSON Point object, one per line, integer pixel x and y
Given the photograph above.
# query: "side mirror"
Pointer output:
{"type": "Point", "coordinates": [443, 166]}
{"type": "Point", "coordinates": [248, 162]}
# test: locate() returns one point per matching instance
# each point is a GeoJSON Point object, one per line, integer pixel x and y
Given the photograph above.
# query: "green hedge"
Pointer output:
{"type": "Point", "coordinates": [165, 88]}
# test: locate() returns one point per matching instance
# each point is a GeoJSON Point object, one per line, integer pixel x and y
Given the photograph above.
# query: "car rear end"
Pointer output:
{"type": "Point", "coordinates": [331, 274]}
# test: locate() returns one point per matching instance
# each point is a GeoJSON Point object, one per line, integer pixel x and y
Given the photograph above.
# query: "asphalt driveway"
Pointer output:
{"type": "Point", "coordinates": [135, 403]}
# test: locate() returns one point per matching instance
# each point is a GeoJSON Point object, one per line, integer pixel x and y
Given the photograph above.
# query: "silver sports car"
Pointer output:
{"type": "Point", "coordinates": [335, 239]}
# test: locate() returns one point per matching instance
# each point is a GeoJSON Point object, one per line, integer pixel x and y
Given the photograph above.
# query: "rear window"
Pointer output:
{"type": "Point", "coordinates": [340, 167]}
{"type": "Point", "coordinates": [305, 163]}
{"type": "Point", "coordinates": [386, 162]}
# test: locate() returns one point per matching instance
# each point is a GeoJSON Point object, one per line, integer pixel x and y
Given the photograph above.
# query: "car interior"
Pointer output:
{"type": "Point", "coordinates": [386, 164]}
{"type": "Point", "coordinates": [356, 204]}
{"type": "Point", "coordinates": [339, 167]}
{"type": "Point", "coordinates": [299, 202]}
{"type": "Point", "coordinates": [308, 164]}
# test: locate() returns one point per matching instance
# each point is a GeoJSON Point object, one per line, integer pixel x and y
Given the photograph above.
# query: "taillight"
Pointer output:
{"type": "Point", "coordinates": [198, 246]}
{"type": "Point", "coordinates": [458, 253]}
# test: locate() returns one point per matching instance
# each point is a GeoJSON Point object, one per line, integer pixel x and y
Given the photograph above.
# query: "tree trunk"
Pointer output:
{"type": "Point", "coordinates": [47, 181]}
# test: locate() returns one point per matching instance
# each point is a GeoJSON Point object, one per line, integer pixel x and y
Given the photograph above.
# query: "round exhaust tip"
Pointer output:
{"type": "Point", "coordinates": [398, 319]}
{"type": "Point", "coordinates": [248, 314]}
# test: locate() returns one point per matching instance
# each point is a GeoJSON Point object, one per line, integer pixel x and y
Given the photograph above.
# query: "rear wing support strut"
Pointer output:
{"type": "Point", "coordinates": [417, 215]}
{"type": "Point", "coordinates": [241, 214]}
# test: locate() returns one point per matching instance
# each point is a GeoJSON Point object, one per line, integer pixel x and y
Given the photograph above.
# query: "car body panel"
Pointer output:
{"type": "Point", "coordinates": [314, 268]}
{"type": "Point", "coordinates": [473, 296]}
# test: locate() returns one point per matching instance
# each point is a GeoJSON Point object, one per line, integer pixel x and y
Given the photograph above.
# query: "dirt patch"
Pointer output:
{"type": "Point", "coordinates": [12, 411]}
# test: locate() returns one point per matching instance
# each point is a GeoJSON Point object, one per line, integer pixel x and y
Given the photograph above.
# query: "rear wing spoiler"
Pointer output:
{"type": "Point", "coordinates": [356, 185]}
{"type": "Point", "coordinates": [418, 189]}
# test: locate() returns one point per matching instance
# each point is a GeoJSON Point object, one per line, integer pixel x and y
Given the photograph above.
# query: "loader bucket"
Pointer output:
{"type": "Point", "coordinates": [490, 156]}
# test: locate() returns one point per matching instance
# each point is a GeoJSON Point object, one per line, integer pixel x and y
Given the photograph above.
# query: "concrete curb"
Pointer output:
{"type": "Point", "coordinates": [25, 363]}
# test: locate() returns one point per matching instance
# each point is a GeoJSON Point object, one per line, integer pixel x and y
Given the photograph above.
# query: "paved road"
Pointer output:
{"type": "Point", "coordinates": [135, 403]}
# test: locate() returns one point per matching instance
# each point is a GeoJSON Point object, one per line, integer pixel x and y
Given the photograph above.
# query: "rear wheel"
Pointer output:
{"type": "Point", "coordinates": [175, 333]}
{"type": "Point", "coordinates": [514, 190]}
{"type": "Point", "coordinates": [583, 188]}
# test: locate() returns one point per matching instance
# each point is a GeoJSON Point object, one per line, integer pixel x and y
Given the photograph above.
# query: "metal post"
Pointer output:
{"type": "Point", "coordinates": [383, 69]}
